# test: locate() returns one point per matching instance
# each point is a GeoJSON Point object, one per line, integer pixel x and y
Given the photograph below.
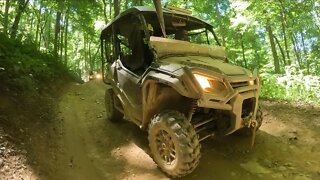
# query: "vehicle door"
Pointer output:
{"type": "Point", "coordinates": [130, 50]}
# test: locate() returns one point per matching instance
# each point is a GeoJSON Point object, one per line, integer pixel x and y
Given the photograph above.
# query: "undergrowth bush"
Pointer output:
{"type": "Point", "coordinates": [293, 85]}
{"type": "Point", "coordinates": [23, 67]}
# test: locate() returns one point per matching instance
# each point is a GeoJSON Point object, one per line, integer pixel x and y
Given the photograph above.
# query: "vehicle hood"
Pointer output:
{"type": "Point", "coordinates": [206, 63]}
{"type": "Point", "coordinates": [165, 47]}
{"type": "Point", "coordinates": [173, 55]}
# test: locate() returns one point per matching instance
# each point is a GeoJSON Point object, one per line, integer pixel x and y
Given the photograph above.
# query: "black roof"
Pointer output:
{"type": "Point", "coordinates": [147, 9]}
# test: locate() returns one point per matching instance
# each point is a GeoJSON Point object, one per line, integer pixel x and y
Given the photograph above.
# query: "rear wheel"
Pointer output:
{"type": "Point", "coordinates": [112, 113]}
{"type": "Point", "coordinates": [174, 143]}
{"type": "Point", "coordinates": [248, 131]}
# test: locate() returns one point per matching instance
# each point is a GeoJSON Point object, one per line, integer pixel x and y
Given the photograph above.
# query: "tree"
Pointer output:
{"type": "Point", "coordinates": [6, 17]}
{"type": "Point", "coordinates": [116, 4]}
{"type": "Point", "coordinates": [255, 33]}
{"type": "Point", "coordinates": [274, 51]}
{"type": "Point", "coordinates": [66, 38]}
{"type": "Point", "coordinates": [57, 29]}
{"type": "Point", "coordinates": [22, 4]}
{"type": "Point", "coordinates": [284, 26]}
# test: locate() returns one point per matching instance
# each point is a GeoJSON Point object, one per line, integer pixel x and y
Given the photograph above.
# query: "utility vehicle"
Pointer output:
{"type": "Point", "coordinates": [176, 85]}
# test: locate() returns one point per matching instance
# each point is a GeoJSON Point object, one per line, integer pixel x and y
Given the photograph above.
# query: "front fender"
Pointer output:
{"type": "Point", "coordinates": [181, 80]}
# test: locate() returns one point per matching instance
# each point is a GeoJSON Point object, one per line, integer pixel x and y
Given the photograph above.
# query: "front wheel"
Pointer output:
{"type": "Point", "coordinates": [174, 143]}
{"type": "Point", "coordinates": [113, 114]}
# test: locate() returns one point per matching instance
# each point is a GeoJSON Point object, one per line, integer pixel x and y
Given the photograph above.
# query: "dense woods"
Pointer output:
{"type": "Point", "coordinates": [54, 117]}
{"type": "Point", "coordinates": [278, 37]}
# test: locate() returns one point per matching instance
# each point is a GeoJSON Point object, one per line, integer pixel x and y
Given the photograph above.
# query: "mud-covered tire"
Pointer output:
{"type": "Point", "coordinates": [171, 133]}
{"type": "Point", "coordinates": [112, 114]}
{"type": "Point", "coordinates": [246, 132]}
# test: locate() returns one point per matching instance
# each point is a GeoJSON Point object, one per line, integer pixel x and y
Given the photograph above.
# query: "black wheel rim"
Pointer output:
{"type": "Point", "coordinates": [165, 147]}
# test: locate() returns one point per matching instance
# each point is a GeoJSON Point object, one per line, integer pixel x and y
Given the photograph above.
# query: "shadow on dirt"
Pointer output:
{"type": "Point", "coordinates": [221, 158]}
{"type": "Point", "coordinates": [27, 143]}
{"type": "Point", "coordinates": [274, 156]}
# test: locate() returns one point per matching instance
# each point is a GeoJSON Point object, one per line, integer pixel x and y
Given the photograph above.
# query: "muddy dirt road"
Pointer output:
{"type": "Point", "coordinates": [90, 147]}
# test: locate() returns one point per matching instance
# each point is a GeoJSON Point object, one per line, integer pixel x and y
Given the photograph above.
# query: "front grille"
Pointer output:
{"type": "Point", "coordinates": [247, 107]}
{"type": "Point", "coordinates": [239, 84]}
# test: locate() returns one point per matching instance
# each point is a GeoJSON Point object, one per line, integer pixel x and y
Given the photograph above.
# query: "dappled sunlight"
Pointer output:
{"type": "Point", "coordinates": [277, 128]}
{"type": "Point", "coordinates": [135, 156]}
{"type": "Point", "coordinates": [289, 130]}
{"type": "Point", "coordinates": [99, 25]}
{"type": "Point", "coordinates": [139, 164]}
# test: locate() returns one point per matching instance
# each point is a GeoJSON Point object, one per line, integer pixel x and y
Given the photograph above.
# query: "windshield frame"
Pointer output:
{"type": "Point", "coordinates": [169, 16]}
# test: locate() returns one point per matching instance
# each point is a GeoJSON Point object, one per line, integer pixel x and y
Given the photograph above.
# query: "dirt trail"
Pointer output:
{"type": "Point", "coordinates": [287, 145]}
{"type": "Point", "coordinates": [94, 148]}
{"type": "Point", "coordinates": [76, 139]}
{"type": "Point", "coordinates": [90, 147]}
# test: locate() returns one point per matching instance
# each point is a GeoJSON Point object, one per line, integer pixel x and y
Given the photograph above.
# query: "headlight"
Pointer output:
{"type": "Point", "coordinates": [251, 82]}
{"type": "Point", "coordinates": [98, 76]}
{"type": "Point", "coordinates": [203, 81]}
{"type": "Point", "coordinates": [211, 85]}
{"type": "Point", "coordinates": [254, 82]}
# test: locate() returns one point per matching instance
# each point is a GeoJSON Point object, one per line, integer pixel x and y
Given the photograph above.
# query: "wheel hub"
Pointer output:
{"type": "Point", "coordinates": [165, 146]}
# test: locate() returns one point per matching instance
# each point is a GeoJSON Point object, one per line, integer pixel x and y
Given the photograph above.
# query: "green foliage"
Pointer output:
{"type": "Point", "coordinates": [294, 85]}
{"type": "Point", "coordinates": [241, 26]}
{"type": "Point", "coordinates": [23, 67]}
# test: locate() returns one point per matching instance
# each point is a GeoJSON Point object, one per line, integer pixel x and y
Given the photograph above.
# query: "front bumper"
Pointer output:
{"type": "Point", "coordinates": [236, 103]}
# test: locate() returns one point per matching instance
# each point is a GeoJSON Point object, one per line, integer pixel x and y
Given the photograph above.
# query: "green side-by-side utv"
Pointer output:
{"type": "Point", "coordinates": [173, 80]}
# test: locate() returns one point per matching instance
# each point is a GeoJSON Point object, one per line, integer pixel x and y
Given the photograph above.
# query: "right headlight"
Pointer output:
{"type": "Point", "coordinates": [211, 85]}
{"type": "Point", "coordinates": [251, 82]}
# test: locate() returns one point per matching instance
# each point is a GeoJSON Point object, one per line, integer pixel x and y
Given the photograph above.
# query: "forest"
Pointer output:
{"type": "Point", "coordinates": [278, 37]}
{"type": "Point", "coordinates": [54, 118]}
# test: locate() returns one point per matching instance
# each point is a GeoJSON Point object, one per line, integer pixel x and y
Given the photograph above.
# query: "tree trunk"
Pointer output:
{"type": "Point", "coordinates": [56, 35]}
{"type": "Point", "coordinates": [66, 40]}
{"type": "Point", "coordinates": [110, 9]}
{"type": "Point", "coordinates": [85, 52]}
{"type": "Point", "coordinates": [296, 50]}
{"type": "Point", "coordinates": [126, 4]}
{"type": "Point", "coordinates": [41, 35]}
{"type": "Point", "coordinates": [38, 15]}
{"type": "Point", "coordinates": [274, 51]}
{"type": "Point", "coordinates": [305, 51]}
{"type": "Point", "coordinates": [219, 19]}
{"type": "Point", "coordinates": [48, 32]}
{"type": "Point", "coordinates": [284, 25]}
{"type": "Point", "coordinates": [37, 31]}
{"type": "Point", "coordinates": [6, 17]}
{"type": "Point", "coordinates": [21, 7]}
{"type": "Point", "coordinates": [281, 50]}
{"type": "Point", "coordinates": [243, 51]}
{"type": "Point", "coordinates": [105, 11]}
{"type": "Point", "coordinates": [76, 47]}
{"type": "Point", "coordinates": [116, 7]}
{"type": "Point", "coordinates": [90, 59]}
{"type": "Point", "coordinates": [303, 43]}
{"type": "Point", "coordinates": [61, 42]}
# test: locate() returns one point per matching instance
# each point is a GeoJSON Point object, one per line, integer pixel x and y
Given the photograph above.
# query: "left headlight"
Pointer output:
{"type": "Point", "coordinates": [211, 85]}
{"type": "Point", "coordinates": [203, 81]}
